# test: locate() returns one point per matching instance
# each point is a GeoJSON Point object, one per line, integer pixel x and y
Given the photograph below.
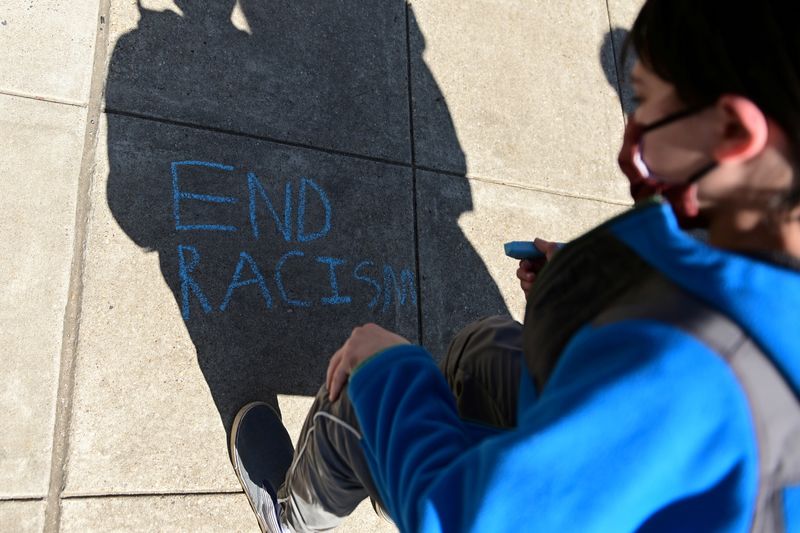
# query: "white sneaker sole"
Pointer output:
{"type": "Point", "coordinates": [234, 429]}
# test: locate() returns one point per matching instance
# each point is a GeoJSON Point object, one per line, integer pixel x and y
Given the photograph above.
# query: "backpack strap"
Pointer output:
{"type": "Point", "coordinates": [774, 406]}
{"type": "Point", "coordinates": [584, 278]}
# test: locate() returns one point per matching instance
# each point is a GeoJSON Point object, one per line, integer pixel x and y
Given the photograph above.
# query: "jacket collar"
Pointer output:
{"type": "Point", "coordinates": [763, 297]}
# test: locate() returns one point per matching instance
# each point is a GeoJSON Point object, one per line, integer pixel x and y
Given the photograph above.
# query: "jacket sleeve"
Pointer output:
{"type": "Point", "coordinates": [640, 425]}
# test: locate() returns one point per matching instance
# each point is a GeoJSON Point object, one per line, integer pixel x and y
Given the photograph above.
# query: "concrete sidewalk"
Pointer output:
{"type": "Point", "coordinates": [203, 198]}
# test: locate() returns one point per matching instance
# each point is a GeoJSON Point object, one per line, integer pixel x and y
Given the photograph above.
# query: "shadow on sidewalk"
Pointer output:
{"type": "Point", "coordinates": [274, 252]}
{"type": "Point", "coordinates": [617, 74]}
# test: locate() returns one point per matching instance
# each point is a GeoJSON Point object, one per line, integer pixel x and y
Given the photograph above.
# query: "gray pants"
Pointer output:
{"type": "Point", "coordinates": [330, 476]}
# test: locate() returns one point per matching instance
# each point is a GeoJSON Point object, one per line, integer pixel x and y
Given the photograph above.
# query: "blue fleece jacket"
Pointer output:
{"type": "Point", "coordinates": [640, 427]}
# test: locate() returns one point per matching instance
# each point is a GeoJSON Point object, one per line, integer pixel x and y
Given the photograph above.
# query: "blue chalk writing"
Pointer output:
{"type": "Point", "coordinates": [284, 228]}
{"type": "Point", "coordinates": [279, 279]}
{"type": "Point", "coordinates": [236, 282]}
{"type": "Point", "coordinates": [334, 298]}
{"type": "Point", "coordinates": [187, 281]}
{"type": "Point", "coordinates": [368, 280]}
{"type": "Point", "coordinates": [406, 287]}
{"type": "Point", "coordinates": [387, 288]}
{"type": "Point", "coordinates": [301, 211]}
{"type": "Point", "coordinates": [178, 195]}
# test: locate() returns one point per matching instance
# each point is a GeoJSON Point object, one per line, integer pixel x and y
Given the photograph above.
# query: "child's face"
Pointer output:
{"type": "Point", "coordinates": [745, 153]}
{"type": "Point", "coordinates": [677, 150]}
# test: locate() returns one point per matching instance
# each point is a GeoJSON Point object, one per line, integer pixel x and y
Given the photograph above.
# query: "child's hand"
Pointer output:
{"type": "Point", "coordinates": [364, 342]}
{"type": "Point", "coordinates": [529, 269]}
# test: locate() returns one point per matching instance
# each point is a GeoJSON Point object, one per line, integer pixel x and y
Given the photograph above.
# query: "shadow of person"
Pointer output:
{"type": "Point", "coordinates": [270, 168]}
{"type": "Point", "coordinates": [618, 73]}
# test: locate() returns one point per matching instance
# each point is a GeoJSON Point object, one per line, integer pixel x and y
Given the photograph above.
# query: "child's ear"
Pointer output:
{"type": "Point", "coordinates": [744, 130]}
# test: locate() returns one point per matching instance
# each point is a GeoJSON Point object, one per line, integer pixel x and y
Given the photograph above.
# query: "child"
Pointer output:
{"type": "Point", "coordinates": [658, 382]}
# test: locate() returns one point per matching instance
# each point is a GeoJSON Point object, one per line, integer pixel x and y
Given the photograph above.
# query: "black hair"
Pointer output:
{"type": "Point", "coordinates": [707, 48]}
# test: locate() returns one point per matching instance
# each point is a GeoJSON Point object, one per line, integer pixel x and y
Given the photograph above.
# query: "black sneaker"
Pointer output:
{"type": "Point", "coordinates": [261, 452]}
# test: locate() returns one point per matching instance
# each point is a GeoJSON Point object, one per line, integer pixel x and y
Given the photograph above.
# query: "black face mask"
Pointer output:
{"type": "Point", "coordinates": [641, 165]}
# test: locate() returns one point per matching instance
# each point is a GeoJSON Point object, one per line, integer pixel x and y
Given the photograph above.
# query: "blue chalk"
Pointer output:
{"type": "Point", "coordinates": [406, 287]}
{"type": "Point", "coordinates": [334, 299]}
{"type": "Point", "coordinates": [523, 250]}
{"type": "Point", "coordinates": [188, 283]}
{"type": "Point", "coordinates": [369, 280]}
{"type": "Point", "coordinates": [279, 280]}
{"type": "Point", "coordinates": [178, 195]}
{"type": "Point", "coordinates": [302, 236]}
{"type": "Point", "coordinates": [255, 187]}
{"type": "Point", "coordinates": [237, 282]}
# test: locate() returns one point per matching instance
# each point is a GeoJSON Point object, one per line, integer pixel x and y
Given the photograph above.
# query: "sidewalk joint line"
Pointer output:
{"type": "Point", "coordinates": [616, 66]}
{"type": "Point", "coordinates": [532, 188]}
{"type": "Point", "coordinates": [22, 498]}
{"type": "Point", "coordinates": [415, 211]}
{"type": "Point", "coordinates": [45, 99]}
{"type": "Point", "coordinates": [72, 311]}
{"type": "Point", "coordinates": [235, 133]}
{"type": "Point", "coordinates": [414, 167]}
{"type": "Point", "coordinates": [154, 494]}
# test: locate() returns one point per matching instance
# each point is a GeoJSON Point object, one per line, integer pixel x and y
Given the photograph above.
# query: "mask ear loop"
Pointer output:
{"type": "Point", "coordinates": [694, 178]}
{"type": "Point", "coordinates": [668, 120]}
{"type": "Point", "coordinates": [673, 118]}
